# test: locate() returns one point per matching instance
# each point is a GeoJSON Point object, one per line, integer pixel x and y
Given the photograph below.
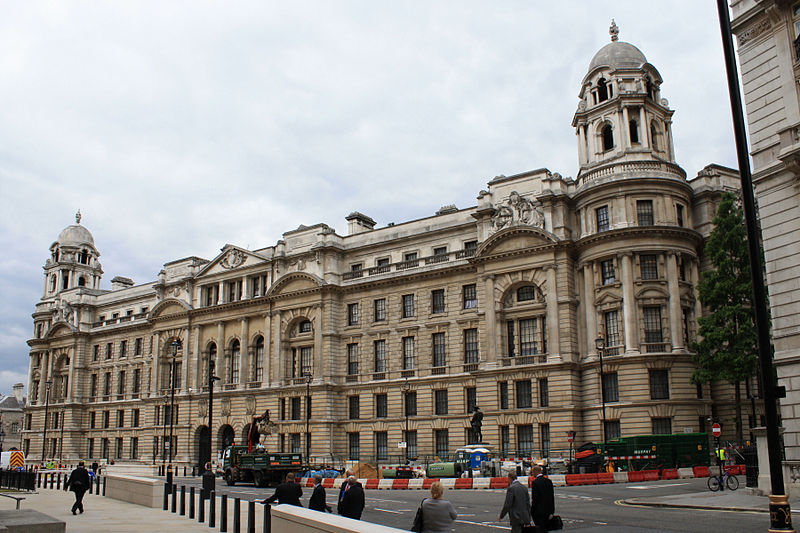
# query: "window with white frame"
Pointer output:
{"type": "Point", "coordinates": [352, 359]}
{"type": "Point", "coordinates": [601, 216]}
{"type": "Point", "coordinates": [471, 354]}
{"type": "Point", "coordinates": [408, 305]}
{"type": "Point", "coordinates": [607, 273]}
{"type": "Point", "coordinates": [380, 355]}
{"type": "Point", "coordinates": [408, 353]}
{"type": "Point", "coordinates": [470, 295]}
{"type": "Point", "coordinates": [439, 350]}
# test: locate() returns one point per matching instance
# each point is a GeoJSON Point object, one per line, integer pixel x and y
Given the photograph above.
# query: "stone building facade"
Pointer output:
{"type": "Point", "coordinates": [769, 52]}
{"type": "Point", "coordinates": [394, 334]}
{"type": "Point", "coordinates": [11, 419]}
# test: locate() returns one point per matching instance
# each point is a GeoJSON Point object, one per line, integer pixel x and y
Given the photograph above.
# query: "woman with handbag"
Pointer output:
{"type": "Point", "coordinates": [437, 514]}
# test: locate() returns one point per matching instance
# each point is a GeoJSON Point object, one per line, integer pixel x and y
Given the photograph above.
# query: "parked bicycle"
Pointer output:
{"type": "Point", "coordinates": [727, 479]}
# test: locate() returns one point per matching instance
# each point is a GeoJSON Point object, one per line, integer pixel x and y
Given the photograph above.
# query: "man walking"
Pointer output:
{"type": "Point", "coordinates": [543, 504]}
{"type": "Point", "coordinates": [351, 502]}
{"type": "Point", "coordinates": [78, 483]}
{"type": "Point", "coordinates": [317, 501]}
{"type": "Point", "coordinates": [288, 492]}
{"type": "Point", "coordinates": [517, 505]}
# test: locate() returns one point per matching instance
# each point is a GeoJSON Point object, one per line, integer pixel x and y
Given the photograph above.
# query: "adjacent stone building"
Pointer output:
{"type": "Point", "coordinates": [769, 52]}
{"type": "Point", "coordinates": [394, 334]}
{"type": "Point", "coordinates": [11, 421]}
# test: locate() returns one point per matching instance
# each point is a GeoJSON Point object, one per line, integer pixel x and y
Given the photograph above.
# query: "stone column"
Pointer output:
{"type": "Point", "coordinates": [626, 127]}
{"type": "Point", "coordinates": [280, 371]}
{"type": "Point", "coordinates": [317, 368]}
{"type": "Point", "coordinates": [553, 338]}
{"type": "Point", "coordinates": [45, 375]}
{"type": "Point", "coordinates": [592, 140]}
{"type": "Point", "coordinates": [644, 138]}
{"type": "Point", "coordinates": [589, 309]}
{"type": "Point", "coordinates": [673, 287]}
{"type": "Point", "coordinates": [491, 320]}
{"type": "Point", "coordinates": [629, 305]}
{"type": "Point", "coordinates": [695, 273]}
{"type": "Point", "coordinates": [245, 287]}
{"type": "Point", "coordinates": [221, 299]}
{"type": "Point", "coordinates": [581, 149]}
{"type": "Point", "coordinates": [72, 372]}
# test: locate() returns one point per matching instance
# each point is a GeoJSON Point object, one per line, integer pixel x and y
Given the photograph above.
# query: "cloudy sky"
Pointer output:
{"type": "Point", "coordinates": [177, 127]}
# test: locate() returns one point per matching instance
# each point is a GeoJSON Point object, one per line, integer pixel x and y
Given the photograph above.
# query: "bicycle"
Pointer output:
{"type": "Point", "coordinates": [727, 479]}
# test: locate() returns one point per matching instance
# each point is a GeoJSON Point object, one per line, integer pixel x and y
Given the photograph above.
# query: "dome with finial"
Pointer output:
{"type": "Point", "coordinates": [75, 234]}
{"type": "Point", "coordinates": [617, 54]}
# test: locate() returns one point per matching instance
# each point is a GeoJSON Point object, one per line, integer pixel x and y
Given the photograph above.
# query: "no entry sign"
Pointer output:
{"type": "Point", "coordinates": [716, 430]}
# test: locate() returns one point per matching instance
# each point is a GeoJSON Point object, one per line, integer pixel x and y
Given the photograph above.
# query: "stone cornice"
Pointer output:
{"type": "Point", "coordinates": [645, 233]}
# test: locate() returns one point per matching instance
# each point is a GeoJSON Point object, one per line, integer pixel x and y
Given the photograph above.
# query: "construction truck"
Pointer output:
{"type": "Point", "coordinates": [464, 460]}
{"type": "Point", "coordinates": [258, 466]}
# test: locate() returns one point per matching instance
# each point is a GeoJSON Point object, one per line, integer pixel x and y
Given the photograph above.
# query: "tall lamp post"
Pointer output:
{"type": "Point", "coordinates": [406, 388]}
{"type": "Point", "coordinates": [308, 416]}
{"type": "Point", "coordinates": [176, 344]}
{"type": "Point", "coordinates": [209, 480]}
{"type": "Point", "coordinates": [600, 344]}
{"type": "Point", "coordinates": [47, 383]}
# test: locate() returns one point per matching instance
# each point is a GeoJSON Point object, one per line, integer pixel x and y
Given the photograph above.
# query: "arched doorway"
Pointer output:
{"type": "Point", "coordinates": [245, 431]}
{"type": "Point", "coordinates": [226, 436]}
{"type": "Point", "coordinates": [203, 445]}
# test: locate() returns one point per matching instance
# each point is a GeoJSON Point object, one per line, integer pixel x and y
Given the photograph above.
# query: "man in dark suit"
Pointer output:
{"type": "Point", "coordinates": [317, 501]}
{"type": "Point", "coordinates": [517, 505]}
{"type": "Point", "coordinates": [543, 501]}
{"type": "Point", "coordinates": [351, 503]}
{"type": "Point", "coordinates": [288, 492]}
{"type": "Point", "coordinates": [78, 483]}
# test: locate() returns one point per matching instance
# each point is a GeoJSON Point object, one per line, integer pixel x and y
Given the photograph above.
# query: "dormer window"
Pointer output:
{"type": "Point", "coordinates": [608, 137]}
{"type": "Point", "coordinates": [81, 281]}
{"type": "Point", "coordinates": [633, 128]}
{"type": "Point", "coordinates": [603, 90]}
{"type": "Point", "coordinates": [83, 257]}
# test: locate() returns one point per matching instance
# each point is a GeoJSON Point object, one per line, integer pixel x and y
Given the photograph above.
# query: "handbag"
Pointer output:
{"type": "Point", "coordinates": [555, 523]}
{"type": "Point", "coordinates": [530, 528]}
{"type": "Point", "coordinates": [417, 526]}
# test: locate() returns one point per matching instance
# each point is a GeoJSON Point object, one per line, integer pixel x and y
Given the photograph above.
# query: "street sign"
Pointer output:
{"type": "Point", "coordinates": [570, 436]}
{"type": "Point", "coordinates": [716, 430]}
{"type": "Point", "coordinates": [401, 445]}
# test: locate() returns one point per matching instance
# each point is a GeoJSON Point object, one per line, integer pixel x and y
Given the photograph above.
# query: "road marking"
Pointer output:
{"type": "Point", "coordinates": [661, 485]}
{"type": "Point", "coordinates": [388, 510]}
{"type": "Point", "coordinates": [484, 524]}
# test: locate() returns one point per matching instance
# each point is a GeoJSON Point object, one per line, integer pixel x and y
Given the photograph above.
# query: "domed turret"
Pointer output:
{"type": "Point", "coordinates": [621, 114]}
{"type": "Point", "coordinates": [73, 261]}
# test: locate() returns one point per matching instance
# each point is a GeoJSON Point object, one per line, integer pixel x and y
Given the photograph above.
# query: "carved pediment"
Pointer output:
{"type": "Point", "coordinates": [515, 239]}
{"type": "Point", "coordinates": [230, 258]}
{"type": "Point", "coordinates": [168, 307]}
{"type": "Point", "coordinates": [295, 282]}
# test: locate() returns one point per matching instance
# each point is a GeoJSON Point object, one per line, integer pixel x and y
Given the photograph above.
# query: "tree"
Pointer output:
{"type": "Point", "coordinates": [729, 346]}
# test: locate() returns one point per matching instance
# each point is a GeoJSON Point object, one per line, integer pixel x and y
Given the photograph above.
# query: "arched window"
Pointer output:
{"type": "Point", "coordinates": [81, 281]}
{"type": "Point", "coordinates": [83, 258]}
{"type": "Point", "coordinates": [258, 359]}
{"type": "Point", "coordinates": [654, 136]}
{"type": "Point", "coordinates": [633, 128]}
{"type": "Point", "coordinates": [526, 293]}
{"type": "Point", "coordinates": [602, 90]}
{"type": "Point", "coordinates": [608, 137]}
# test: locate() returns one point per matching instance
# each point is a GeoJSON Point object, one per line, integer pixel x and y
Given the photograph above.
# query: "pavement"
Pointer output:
{"type": "Point", "coordinates": [743, 500]}
{"type": "Point", "coordinates": [114, 516]}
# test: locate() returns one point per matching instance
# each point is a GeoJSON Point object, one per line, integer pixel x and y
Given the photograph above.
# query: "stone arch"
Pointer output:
{"type": "Point", "coordinates": [226, 436]}
{"type": "Point", "coordinates": [295, 282]}
{"type": "Point", "coordinates": [506, 284]}
{"type": "Point", "coordinates": [515, 239]}
{"type": "Point", "coordinates": [292, 319]}
{"type": "Point", "coordinates": [202, 446]}
{"type": "Point", "coordinates": [168, 306]}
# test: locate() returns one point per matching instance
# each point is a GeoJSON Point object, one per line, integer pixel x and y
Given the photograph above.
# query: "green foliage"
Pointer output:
{"type": "Point", "coordinates": [728, 350]}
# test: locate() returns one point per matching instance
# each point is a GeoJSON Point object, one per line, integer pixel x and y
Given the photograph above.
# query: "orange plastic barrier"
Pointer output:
{"type": "Point", "coordinates": [605, 477]}
{"type": "Point", "coordinates": [670, 473]}
{"type": "Point", "coordinates": [327, 483]}
{"type": "Point", "coordinates": [701, 471]}
{"type": "Point", "coordinates": [400, 484]}
{"type": "Point", "coordinates": [498, 483]}
{"type": "Point", "coordinates": [372, 483]}
{"type": "Point", "coordinates": [463, 483]}
{"type": "Point", "coordinates": [426, 484]}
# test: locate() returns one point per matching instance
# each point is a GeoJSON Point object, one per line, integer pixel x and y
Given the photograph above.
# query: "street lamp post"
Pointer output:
{"type": "Point", "coordinates": [406, 388]}
{"type": "Point", "coordinates": [209, 480]}
{"type": "Point", "coordinates": [308, 416]}
{"type": "Point", "coordinates": [175, 345]}
{"type": "Point", "coordinates": [600, 344]}
{"type": "Point", "coordinates": [47, 383]}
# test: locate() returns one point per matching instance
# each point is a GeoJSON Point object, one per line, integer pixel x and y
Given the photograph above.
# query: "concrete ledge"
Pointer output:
{"type": "Point", "coordinates": [30, 521]}
{"type": "Point", "coordinates": [139, 490]}
{"type": "Point", "coordinates": [292, 519]}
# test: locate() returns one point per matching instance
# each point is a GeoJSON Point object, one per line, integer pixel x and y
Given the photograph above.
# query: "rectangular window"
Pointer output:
{"type": "Point", "coordinates": [107, 386]}
{"type": "Point", "coordinates": [134, 447]}
{"type": "Point", "coordinates": [523, 389]}
{"type": "Point", "coordinates": [644, 212]}
{"type": "Point", "coordinates": [679, 214]}
{"type": "Point", "coordinates": [352, 314]}
{"type": "Point", "coordinates": [408, 353]}
{"type": "Point", "coordinates": [648, 265]}
{"type": "Point", "coordinates": [283, 408]}
{"type": "Point", "coordinates": [440, 401]}
{"type": "Point", "coordinates": [381, 445]}
{"type": "Point", "coordinates": [613, 429]}
{"type": "Point", "coordinates": [380, 309]}
{"type": "Point", "coordinates": [105, 449]}
{"type": "Point", "coordinates": [659, 384]}
{"type": "Point", "coordinates": [352, 359]}
{"type": "Point", "coordinates": [92, 420]}
{"type": "Point", "coordinates": [544, 392]}
{"type": "Point", "coordinates": [91, 449]}
{"type": "Point", "coordinates": [356, 267]}
{"type": "Point", "coordinates": [294, 442]}
{"type": "Point", "coordinates": [123, 348]}
{"type": "Point", "coordinates": [353, 446]}
{"type": "Point", "coordinates": [607, 272]}
{"type": "Point", "coordinates": [408, 305]}
{"type": "Point", "coordinates": [505, 441]}
{"type": "Point", "coordinates": [305, 361]}
{"type": "Point", "coordinates": [471, 398]}
{"type": "Point", "coordinates": [93, 386]}
{"type": "Point", "coordinates": [411, 444]}
{"type": "Point", "coordinates": [437, 301]}
{"type": "Point", "coordinates": [381, 406]}
{"type": "Point", "coordinates": [503, 393]}
{"type": "Point", "coordinates": [470, 247]}
{"type": "Point", "coordinates": [295, 408]}
{"type": "Point", "coordinates": [439, 251]}
{"type": "Point", "coordinates": [96, 352]}
{"type": "Point", "coordinates": [354, 406]}
{"type": "Point", "coordinates": [613, 339]}
{"type": "Point", "coordinates": [471, 345]}
{"type": "Point", "coordinates": [411, 403]}
{"type": "Point", "coordinates": [135, 418]}
{"type": "Point", "coordinates": [544, 438]}
{"type": "Point", "coordinates": [137, 346]}
{"type": "Point", "coordinates": [120, 418]}
{"type": "Point", "coordinates": [120, 384]}
{"type": "Point", "coordinates": [106, 419]}
{"type": "Point", "coordinates": [601, 215]}
{"type": "Point", "coordinates": [119, 448]}
{"type": "Point", "coordinates": [441, 442]}
{"type": "Point", "coordinates": [511, 338]}
{"type": "Point", "coordinates": [662, 426]}
{"type": "Point", "coordinates": [470, 294]}
{"type": "Point", "coordinates": [380, 356]}
{"type": "Point", "coordinates": [528, 331]}
{"type": "Point", "coordinates": [652, 329]}
{"type": "Point", "coordinates": [109, 350]}
{"type": "Point", "coordinates": [525, 440]}
{"type": "Point", "coordinates": [410, 256]}
{"type": "Point", "coordinates": [610, 387]}
{"type": "Point", "coordinates": [439, 350]}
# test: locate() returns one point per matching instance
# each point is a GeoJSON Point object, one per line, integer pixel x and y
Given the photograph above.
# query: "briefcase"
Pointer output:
{"type": "Point", "coordinates": [555, 523]}
{"type": "Point", "coordinates": [530, 528]}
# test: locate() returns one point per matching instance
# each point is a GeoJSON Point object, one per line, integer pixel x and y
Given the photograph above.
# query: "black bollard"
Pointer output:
{"type": "Point", "coordinates": [184, 471]}
{"type": "Point", "coordinates": [166, 496]}
{"type": "Point", "coordinates": [38, 480]}
{"type": "Point", "coordinates": [52, 479]}
{"type": "Point", "coordinates": [267, 518]}
{"type": "Point", "coordinates": [174, 498]}
{"type": "Point", "coordinates": [212, 509]}
{"type": "Point", "coordinates": [201, 510]}
{"type": "Point", "coordinates": [251, 517]}
{"type": "Point", "coordinates": [183, 500]}
{"type": "Point", "coordinates": [237, 515]}
{"type": "Point", "coordinates": [104, 485]}
{"type": "Point", "coordinates": [223, 513]}
{"type": "Point", "coordinates": [97, 488]}
{"type": "Point", "coordinates": [191, 503]}
{"type": "Point", "coordinates": [58, 482]}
